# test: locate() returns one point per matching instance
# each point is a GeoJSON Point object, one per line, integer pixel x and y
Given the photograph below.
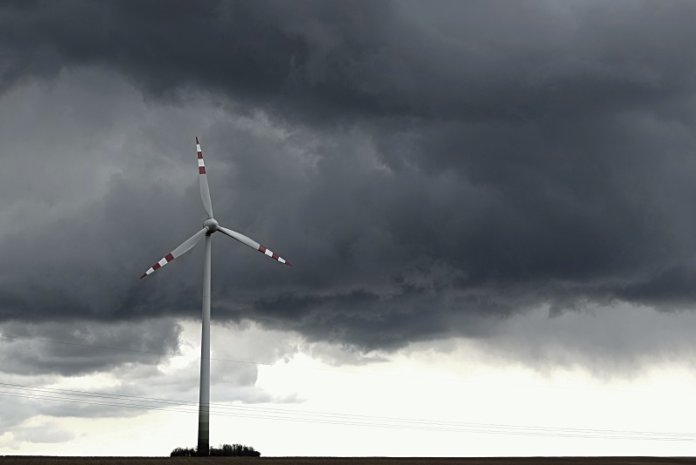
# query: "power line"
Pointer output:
{"type": "Point", "coordinates": [265, 413]}
{"type": "Point", "coordinates": [447, 379]}
{"type": "Point", "coordinates": [261, 413]}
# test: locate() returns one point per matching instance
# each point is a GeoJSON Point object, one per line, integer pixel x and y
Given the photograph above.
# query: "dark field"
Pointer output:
{"type": "Point", "coordinates": [345, 461]}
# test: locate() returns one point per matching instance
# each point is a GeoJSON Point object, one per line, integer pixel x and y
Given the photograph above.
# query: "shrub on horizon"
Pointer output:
{"type": "Point", "coordinates": [226, 450]}
{"type": "Point", "coordinates": [183, 452]}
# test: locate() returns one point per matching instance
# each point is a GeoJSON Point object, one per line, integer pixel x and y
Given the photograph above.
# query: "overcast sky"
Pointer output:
{"type": "Point", "coordinates": [481, 180]}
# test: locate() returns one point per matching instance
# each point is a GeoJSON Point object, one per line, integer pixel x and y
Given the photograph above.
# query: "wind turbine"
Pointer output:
{"type": "Point", "coordinates": [210, 226]}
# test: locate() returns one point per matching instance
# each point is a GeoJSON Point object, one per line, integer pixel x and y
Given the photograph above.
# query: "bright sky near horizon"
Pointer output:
{"type": "Point", "coordinates": [451, 399]}
{"type": "Point", "coordinates": [489, 206]}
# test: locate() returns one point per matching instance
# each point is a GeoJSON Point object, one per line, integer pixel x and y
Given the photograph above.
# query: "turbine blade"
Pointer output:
{"type": "Point", "coordinates": [253, 244]}
{"type": "Point", "coordinates": [187, 245]}
{"type": "Point", "coordinates": [203, 181]}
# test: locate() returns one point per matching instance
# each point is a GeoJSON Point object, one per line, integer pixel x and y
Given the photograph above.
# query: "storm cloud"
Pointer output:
{"type": "Point", "coordinates": [431, 171]}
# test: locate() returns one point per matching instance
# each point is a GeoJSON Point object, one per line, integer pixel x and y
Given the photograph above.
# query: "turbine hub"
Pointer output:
{"type": "Point", "coordinates": [211, 224]}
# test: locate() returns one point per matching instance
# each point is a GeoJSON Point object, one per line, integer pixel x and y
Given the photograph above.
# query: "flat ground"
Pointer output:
{"type": "Point", "coordinates": [346, 461]}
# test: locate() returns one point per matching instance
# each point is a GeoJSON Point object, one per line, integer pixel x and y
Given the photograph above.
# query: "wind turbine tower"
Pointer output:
{"type": "Point", "coordinates": [210, 226]}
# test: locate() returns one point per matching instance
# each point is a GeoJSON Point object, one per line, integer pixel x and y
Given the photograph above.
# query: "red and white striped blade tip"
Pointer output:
{"type": "Point", "coordinates": [163, 261]}
{"type": "Point", "coordinates": [269, 253]}
{"type": "Point", "coordinates": [201, 167]}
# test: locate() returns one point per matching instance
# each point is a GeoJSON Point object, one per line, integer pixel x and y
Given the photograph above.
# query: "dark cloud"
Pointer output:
{"type": "Point", "coordinates": [274, 52]}
{"type": "Point", "coordinates": [615, 341]}
{"type": "Point", "coordinates": [432, 171]}
{"type": "Point", "coordinates": [84, 347]}
{"type": "Point", "coordinates": [481, 60]}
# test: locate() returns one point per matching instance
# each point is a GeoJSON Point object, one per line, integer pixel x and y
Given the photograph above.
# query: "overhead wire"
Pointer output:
{"type": "Point", "coordinates": [261, 413]}
{"type": "Point", "coordinates": [267, 413]}
{"type": "Point", "coordinates": [274, 366]}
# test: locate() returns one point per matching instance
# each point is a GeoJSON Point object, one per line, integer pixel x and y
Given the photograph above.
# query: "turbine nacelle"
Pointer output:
{"type": "Point", "coordinates": [211, 225]}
